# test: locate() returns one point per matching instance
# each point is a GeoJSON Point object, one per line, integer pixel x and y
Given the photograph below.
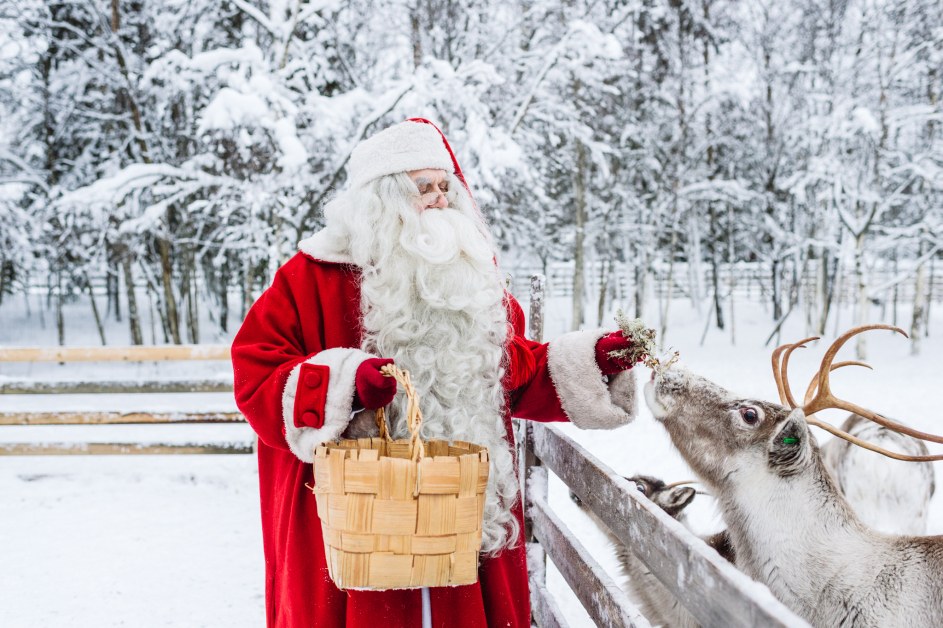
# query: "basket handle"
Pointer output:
{"type": "Point", "coordinates": [413, 414]}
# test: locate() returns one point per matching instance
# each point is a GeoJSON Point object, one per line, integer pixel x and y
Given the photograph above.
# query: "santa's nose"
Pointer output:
{"type": "Point", "coordinates": [440, 201]}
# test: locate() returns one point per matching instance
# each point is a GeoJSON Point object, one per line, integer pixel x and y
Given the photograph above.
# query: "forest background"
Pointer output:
{"type": "Point", "coordinates": [165, 158]}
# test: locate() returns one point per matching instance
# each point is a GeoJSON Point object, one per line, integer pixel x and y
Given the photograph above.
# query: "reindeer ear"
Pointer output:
{"type": "Point", "coordinates": [789, 445]}
{"type": "Point", "coordinates": [678, 499]}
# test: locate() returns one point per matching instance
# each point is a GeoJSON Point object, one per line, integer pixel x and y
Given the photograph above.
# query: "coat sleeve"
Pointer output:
{"type": "Point", "coordinates": [294, 396]}
{"type": "Point", "coordinates": [564, 382]}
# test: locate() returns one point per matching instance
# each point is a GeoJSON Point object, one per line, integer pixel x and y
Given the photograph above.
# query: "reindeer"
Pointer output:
{"type": "Point", "coordinates": [656, 602]}
{"type": "Point", "coordinates": [889, 497]}
{"type": "Point", "coordinates": [788, 524]}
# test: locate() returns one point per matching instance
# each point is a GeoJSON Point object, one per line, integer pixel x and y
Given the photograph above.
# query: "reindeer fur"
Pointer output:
{"type": "Point", "coordinates": [788, 524]}
{"type": "Point", "coordinates": [887, 495]}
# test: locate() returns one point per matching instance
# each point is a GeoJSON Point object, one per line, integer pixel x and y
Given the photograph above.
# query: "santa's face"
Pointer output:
{"type": "Point", "coordinates": [433, 187]}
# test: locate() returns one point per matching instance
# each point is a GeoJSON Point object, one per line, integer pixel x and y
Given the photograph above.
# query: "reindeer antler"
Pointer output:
{"type": "Point", "coordinates": [819, 395]}
{"type": "Point", "coordinates": [814, 384]}
{"type": "Point", "coordinates": [780, 368]}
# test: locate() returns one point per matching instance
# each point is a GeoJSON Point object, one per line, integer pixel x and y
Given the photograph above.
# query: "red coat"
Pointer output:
{"type": "Point", "coordinates": [312, 307]}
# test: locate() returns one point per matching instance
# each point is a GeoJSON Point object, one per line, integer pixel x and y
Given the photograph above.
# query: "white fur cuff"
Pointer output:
{"type": "Point", "coordinates": [589, 402]}
{"type": "Point", "coordinates": [343, 363]}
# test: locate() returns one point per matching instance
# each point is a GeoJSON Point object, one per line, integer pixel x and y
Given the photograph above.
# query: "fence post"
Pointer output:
{"type": "Point", "coordinates": [526, 458]}
{"type": "Point", "coordinates": [537, 283]}
{"type": "Point", "coordinates": [532, 476]}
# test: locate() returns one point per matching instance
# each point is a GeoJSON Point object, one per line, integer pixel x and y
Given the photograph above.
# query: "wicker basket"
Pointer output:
{"type": "Point", "coordinates": [400, 514]}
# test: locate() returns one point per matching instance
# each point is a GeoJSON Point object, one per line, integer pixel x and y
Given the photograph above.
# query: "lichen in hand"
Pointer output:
{"type": "Point", "coordinates": [643, 344]}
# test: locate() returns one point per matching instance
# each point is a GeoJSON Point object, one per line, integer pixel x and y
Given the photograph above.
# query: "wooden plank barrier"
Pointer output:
{"type": "Point", "coordinates": [27, 387]}
{"type": "Point", "coordinates": [117, 354]}
{"type": "Point", "coordinates": [99, 449]}
{"type": "Point", "coordinates": [114, 354]}
{"type": "Point", "coordinates": [116, 418]}
{"type": "Point", "coordinates": [714, 591]}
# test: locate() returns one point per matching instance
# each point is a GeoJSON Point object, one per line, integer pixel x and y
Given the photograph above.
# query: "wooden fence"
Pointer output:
{"type": "Point", "coordinates": [116, 354]}
{"type": "Point", "coordinates": [710, 588]}
{"type": "Point", "coordinates": [746, 280]}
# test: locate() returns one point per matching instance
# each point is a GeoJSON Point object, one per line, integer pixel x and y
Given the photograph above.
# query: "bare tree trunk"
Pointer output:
{"type": "Point", "coordinates": [3, 277]}
{"type": "Point", "coordinates": [640, 272]}
{"type": "Point", "coordinates": [861, 298]}
{"type": "Point", "coordinates": [731, 260]}
{"type": "Point", "coordinates": [822, 288]}
{"type": "Point", "coordinates": [715, 283]}
{"type": "Point", "coordinates": [156, 296]}
{"type": "Point", "coordinates": [170, 302]}
{"type": "Point", "coordinates": [896, 293]}
{"type": "Point", "coordinates": [133, 321]}
{"type": "Point", "coordinates": [193, 309]}
{"type": "Point", "coordinates": [223, 292]}
{"type": "Point", "coordinates": [246, 290]}
{"type": "Point", "coordinates": [926, 314]}
{"type": "Point", "coordinates": [776, 290]}
{"type": "Point", "coordinates": [95, 314]}
{"type": "Point", "coordinates": [39, 309]}
{"type": "Point", "coordinates": [109, 291]}
{"type": "Point", "coordinates": [605, 272]}
{"type": "Point", "coordinates": [669, 287]}
{"type": "Point", "coordinates": [60, 320]}
{"type": "Point", "coordinates": [714, 230]}
{"type": "Point", "coordinates": [695, 272]}
{"type": "Point", "coordinates": [920, 305]}
{"type": "Point", "coordinates": [579, 261]}
{"type": "Point", "coordinates": [153, 317]}
{"type": "Point", "coordinates": [188, 291]}
{"type": "Point", "coordinates": [415, 34]}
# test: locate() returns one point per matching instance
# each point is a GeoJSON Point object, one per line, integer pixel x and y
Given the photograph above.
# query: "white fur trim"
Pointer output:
{"type": "Point", "coordinates": [327, 246]}
{"type": "Point", "coordinates": [588, 400]}
{"type": "Point", "coordinates": [400, 148]}
{"type": "Point", "coordinates": [343, 363]}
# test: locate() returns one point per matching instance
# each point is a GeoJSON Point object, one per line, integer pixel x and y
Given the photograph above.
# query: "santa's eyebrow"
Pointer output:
{"type": "Point", "coordinates": [423, 182]}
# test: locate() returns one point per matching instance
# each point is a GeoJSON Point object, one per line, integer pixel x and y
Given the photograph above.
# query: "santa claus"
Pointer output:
{"type": "Point", "coordinates": [404, 271]}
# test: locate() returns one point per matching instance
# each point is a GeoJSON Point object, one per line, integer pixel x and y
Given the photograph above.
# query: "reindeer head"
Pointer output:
{"type": "Point", "coordinates": [717, 432]}
{"type": "Point", "coordinates": [672, 498]}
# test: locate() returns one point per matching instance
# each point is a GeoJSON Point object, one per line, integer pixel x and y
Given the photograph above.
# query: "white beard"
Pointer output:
{"type": "Point", "coordinates": [432, 300]}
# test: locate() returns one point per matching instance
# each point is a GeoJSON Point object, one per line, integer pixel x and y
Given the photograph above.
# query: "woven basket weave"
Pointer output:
{"type": "Point", "coordinates": [400, 514]}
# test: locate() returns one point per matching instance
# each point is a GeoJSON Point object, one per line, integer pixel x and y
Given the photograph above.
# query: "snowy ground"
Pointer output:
{"type": "Point", "coordinates": [175, 540]}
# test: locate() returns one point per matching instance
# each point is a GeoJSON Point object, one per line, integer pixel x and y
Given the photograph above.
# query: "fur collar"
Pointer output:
{"type": "Point", "coordinates": [326, 245]}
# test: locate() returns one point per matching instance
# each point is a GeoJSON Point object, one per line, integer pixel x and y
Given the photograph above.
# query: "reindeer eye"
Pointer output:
{"type": "Point", "coordinates": [749, 415]}
{"type": "Point", "coordinates": [640, 488]}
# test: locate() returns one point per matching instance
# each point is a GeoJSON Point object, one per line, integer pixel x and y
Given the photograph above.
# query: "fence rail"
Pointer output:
{"type": "Point", "coordinates": [34, 387]}
{"type": "Point", "coordinates": [11, 419]}
{"type": "Point", "coordinates": [712, 590]}
{"type": "Point", "coordinates": [157, 353]}
{"type": "Point", "coordinates": [104, 449]}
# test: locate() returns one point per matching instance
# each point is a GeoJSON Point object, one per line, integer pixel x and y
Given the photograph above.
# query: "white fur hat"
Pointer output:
{"type": "Point", "coordinates": [400, 148]}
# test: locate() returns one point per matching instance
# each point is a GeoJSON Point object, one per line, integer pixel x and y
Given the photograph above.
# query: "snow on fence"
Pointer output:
{"type": "Point", "coordinates": [121, 354]}
{"type": "Point", "coordinates": [709, 587]}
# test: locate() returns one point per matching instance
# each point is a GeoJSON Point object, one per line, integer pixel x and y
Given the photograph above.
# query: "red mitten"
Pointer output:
{"type": "Point", "coordinates": [613, 342]}
{"type": "Point", "coordinates": [521, 363]}
{"type": "Point", "coordinates": [373, 388]}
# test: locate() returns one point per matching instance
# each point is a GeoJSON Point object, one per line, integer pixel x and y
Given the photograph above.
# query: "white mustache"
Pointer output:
{"type": "Point", "coordinates": [440, 236]}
